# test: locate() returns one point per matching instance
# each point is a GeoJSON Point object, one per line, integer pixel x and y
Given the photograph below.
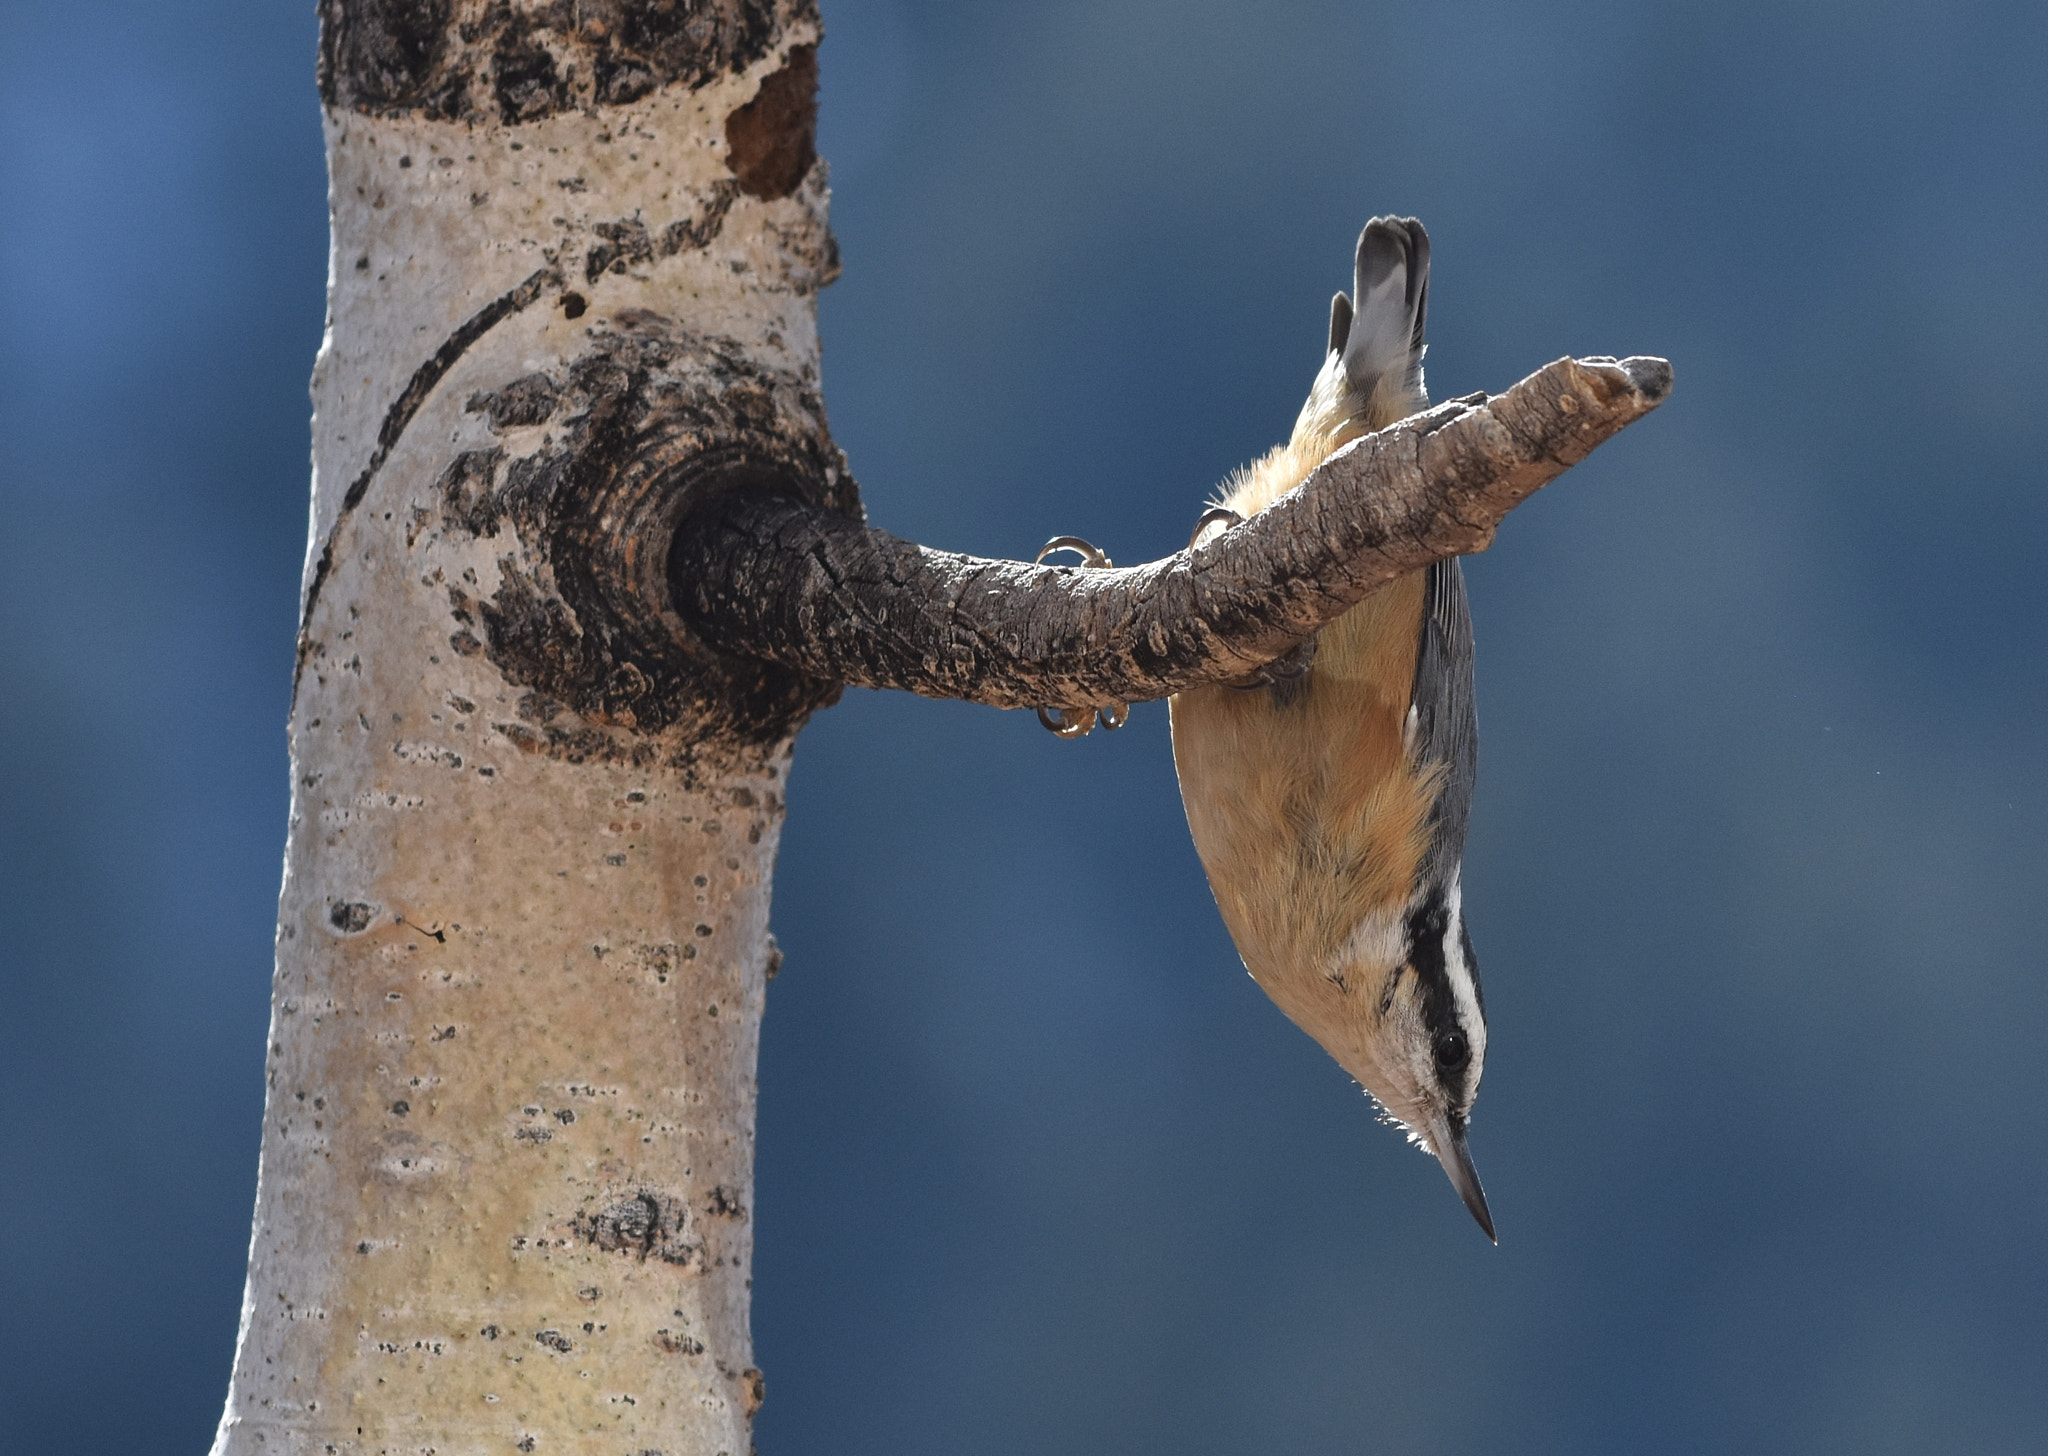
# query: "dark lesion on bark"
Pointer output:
{"type": "Point", "coordinates": [649, 424]}
{"type": "Point", "coordinates": [520, 60]}
{"type": "Point", "coordinates": [646, 1223]}
{"type": "Point", "coordinates": [772, 140]}
{"type": "Point", "coordinates": [629, 241]}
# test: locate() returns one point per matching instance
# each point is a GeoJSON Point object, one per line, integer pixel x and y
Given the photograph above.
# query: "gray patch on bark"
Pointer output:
{"type": "Point", "coordinates": [515, 61]}
{"type": "Point", "coordinates": [350, 917]}
{"type": "Point", "coordinates": [525, 401]}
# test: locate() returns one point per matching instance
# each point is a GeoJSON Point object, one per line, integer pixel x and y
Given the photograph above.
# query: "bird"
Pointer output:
{"type": "Point", "coordinates": [1329, 795]}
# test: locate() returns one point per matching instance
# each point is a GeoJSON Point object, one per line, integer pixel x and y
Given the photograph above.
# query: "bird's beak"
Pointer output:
{"type": "Point", "coordinates": [1448, 1143]}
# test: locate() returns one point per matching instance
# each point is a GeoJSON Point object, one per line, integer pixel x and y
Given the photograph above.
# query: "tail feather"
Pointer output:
{"type": "Point", "coordinates": [1383, 347]}
{"type": "Point", "coordinates": [1371, 375]}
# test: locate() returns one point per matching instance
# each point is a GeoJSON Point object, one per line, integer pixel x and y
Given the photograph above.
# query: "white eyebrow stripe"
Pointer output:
{"type": "Point", "coordinates": [1464, 988]}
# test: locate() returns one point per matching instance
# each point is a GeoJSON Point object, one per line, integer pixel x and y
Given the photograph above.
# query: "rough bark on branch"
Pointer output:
{"type": "Point", "coordinates": [778, 579]}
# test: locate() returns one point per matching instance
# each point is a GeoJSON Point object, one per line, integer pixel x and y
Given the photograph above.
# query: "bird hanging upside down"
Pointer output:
{"type": "Point", "coordinates": [1329, 806]}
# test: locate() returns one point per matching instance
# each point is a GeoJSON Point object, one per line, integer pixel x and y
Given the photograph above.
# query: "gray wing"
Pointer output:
{"type": "Point", "coordinates": [1447, 724]}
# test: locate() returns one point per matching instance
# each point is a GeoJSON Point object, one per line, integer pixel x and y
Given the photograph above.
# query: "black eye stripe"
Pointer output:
{"type": "Point", "coordinates": [1450, 1047]}
{"type": "Point", "coordinates": [1425, 935]}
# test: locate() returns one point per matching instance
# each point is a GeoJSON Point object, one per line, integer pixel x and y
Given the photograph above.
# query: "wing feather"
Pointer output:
{"type": "Point", "coordinates": [1446, 719]}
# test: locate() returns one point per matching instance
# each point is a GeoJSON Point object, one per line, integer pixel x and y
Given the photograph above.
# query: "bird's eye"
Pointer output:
{"type": "Point", "coordinates": [1452, 1050]}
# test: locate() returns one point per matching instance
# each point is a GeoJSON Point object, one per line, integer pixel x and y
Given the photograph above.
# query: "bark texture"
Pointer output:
{"type": "Point", "coordinates": [506, 1184]}
{"type": "Point", "coordinates": [513, 61]}
{"type": "Point", "coordinates": [823, 596]}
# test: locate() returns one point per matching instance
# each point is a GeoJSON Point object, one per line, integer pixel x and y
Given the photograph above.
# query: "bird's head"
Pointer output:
{"type": "Point", "coordinates": [1415, 1032]}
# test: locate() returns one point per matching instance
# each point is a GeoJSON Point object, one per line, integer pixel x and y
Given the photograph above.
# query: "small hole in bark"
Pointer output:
{"type": "Point", "coordinates": [400, 1108]}
{"type": "Point", "coordinates": [573, 305]}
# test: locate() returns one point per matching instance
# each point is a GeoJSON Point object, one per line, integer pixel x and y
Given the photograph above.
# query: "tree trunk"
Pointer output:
{"type": "Point", "coordinates": [506, 1187]}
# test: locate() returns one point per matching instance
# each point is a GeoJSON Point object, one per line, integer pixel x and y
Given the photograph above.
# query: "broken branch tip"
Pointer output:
{"type": "Point", "coordinates": [1648, 376]}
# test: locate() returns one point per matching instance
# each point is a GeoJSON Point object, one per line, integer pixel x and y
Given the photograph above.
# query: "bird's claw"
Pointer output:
{"type": "Point", "coordinates": [1076, 722]}
{"type": "Point", "coordinates": [1067, 722]}
{"type": "Point", "coordinates": [1215, 516]}
{"type": "Point", "coordinates": [1090, 554]}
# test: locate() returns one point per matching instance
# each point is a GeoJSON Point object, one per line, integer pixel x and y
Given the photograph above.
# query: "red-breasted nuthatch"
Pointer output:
{"type": "Point", "coordinates": [1329, 806]}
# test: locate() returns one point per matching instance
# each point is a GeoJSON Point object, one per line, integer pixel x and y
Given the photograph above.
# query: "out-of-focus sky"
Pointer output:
{"type": "Point", "coordinates": [1758, 873]}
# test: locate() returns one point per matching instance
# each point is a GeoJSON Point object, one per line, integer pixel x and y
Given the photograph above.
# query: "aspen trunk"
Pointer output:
{"type": "Point", "coordinates": [506, 1180]}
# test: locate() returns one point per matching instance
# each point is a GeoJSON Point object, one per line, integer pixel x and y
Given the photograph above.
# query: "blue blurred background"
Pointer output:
{"type": "Point", "coordinates": [1757, 870]}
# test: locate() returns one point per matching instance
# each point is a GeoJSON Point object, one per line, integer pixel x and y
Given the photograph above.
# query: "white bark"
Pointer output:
{"type": "Point", "coordinates": [506, 1180]}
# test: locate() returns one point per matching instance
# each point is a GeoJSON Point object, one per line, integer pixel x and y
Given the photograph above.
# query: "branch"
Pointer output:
{"type": "Point", "coordinates": [769, 578]}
